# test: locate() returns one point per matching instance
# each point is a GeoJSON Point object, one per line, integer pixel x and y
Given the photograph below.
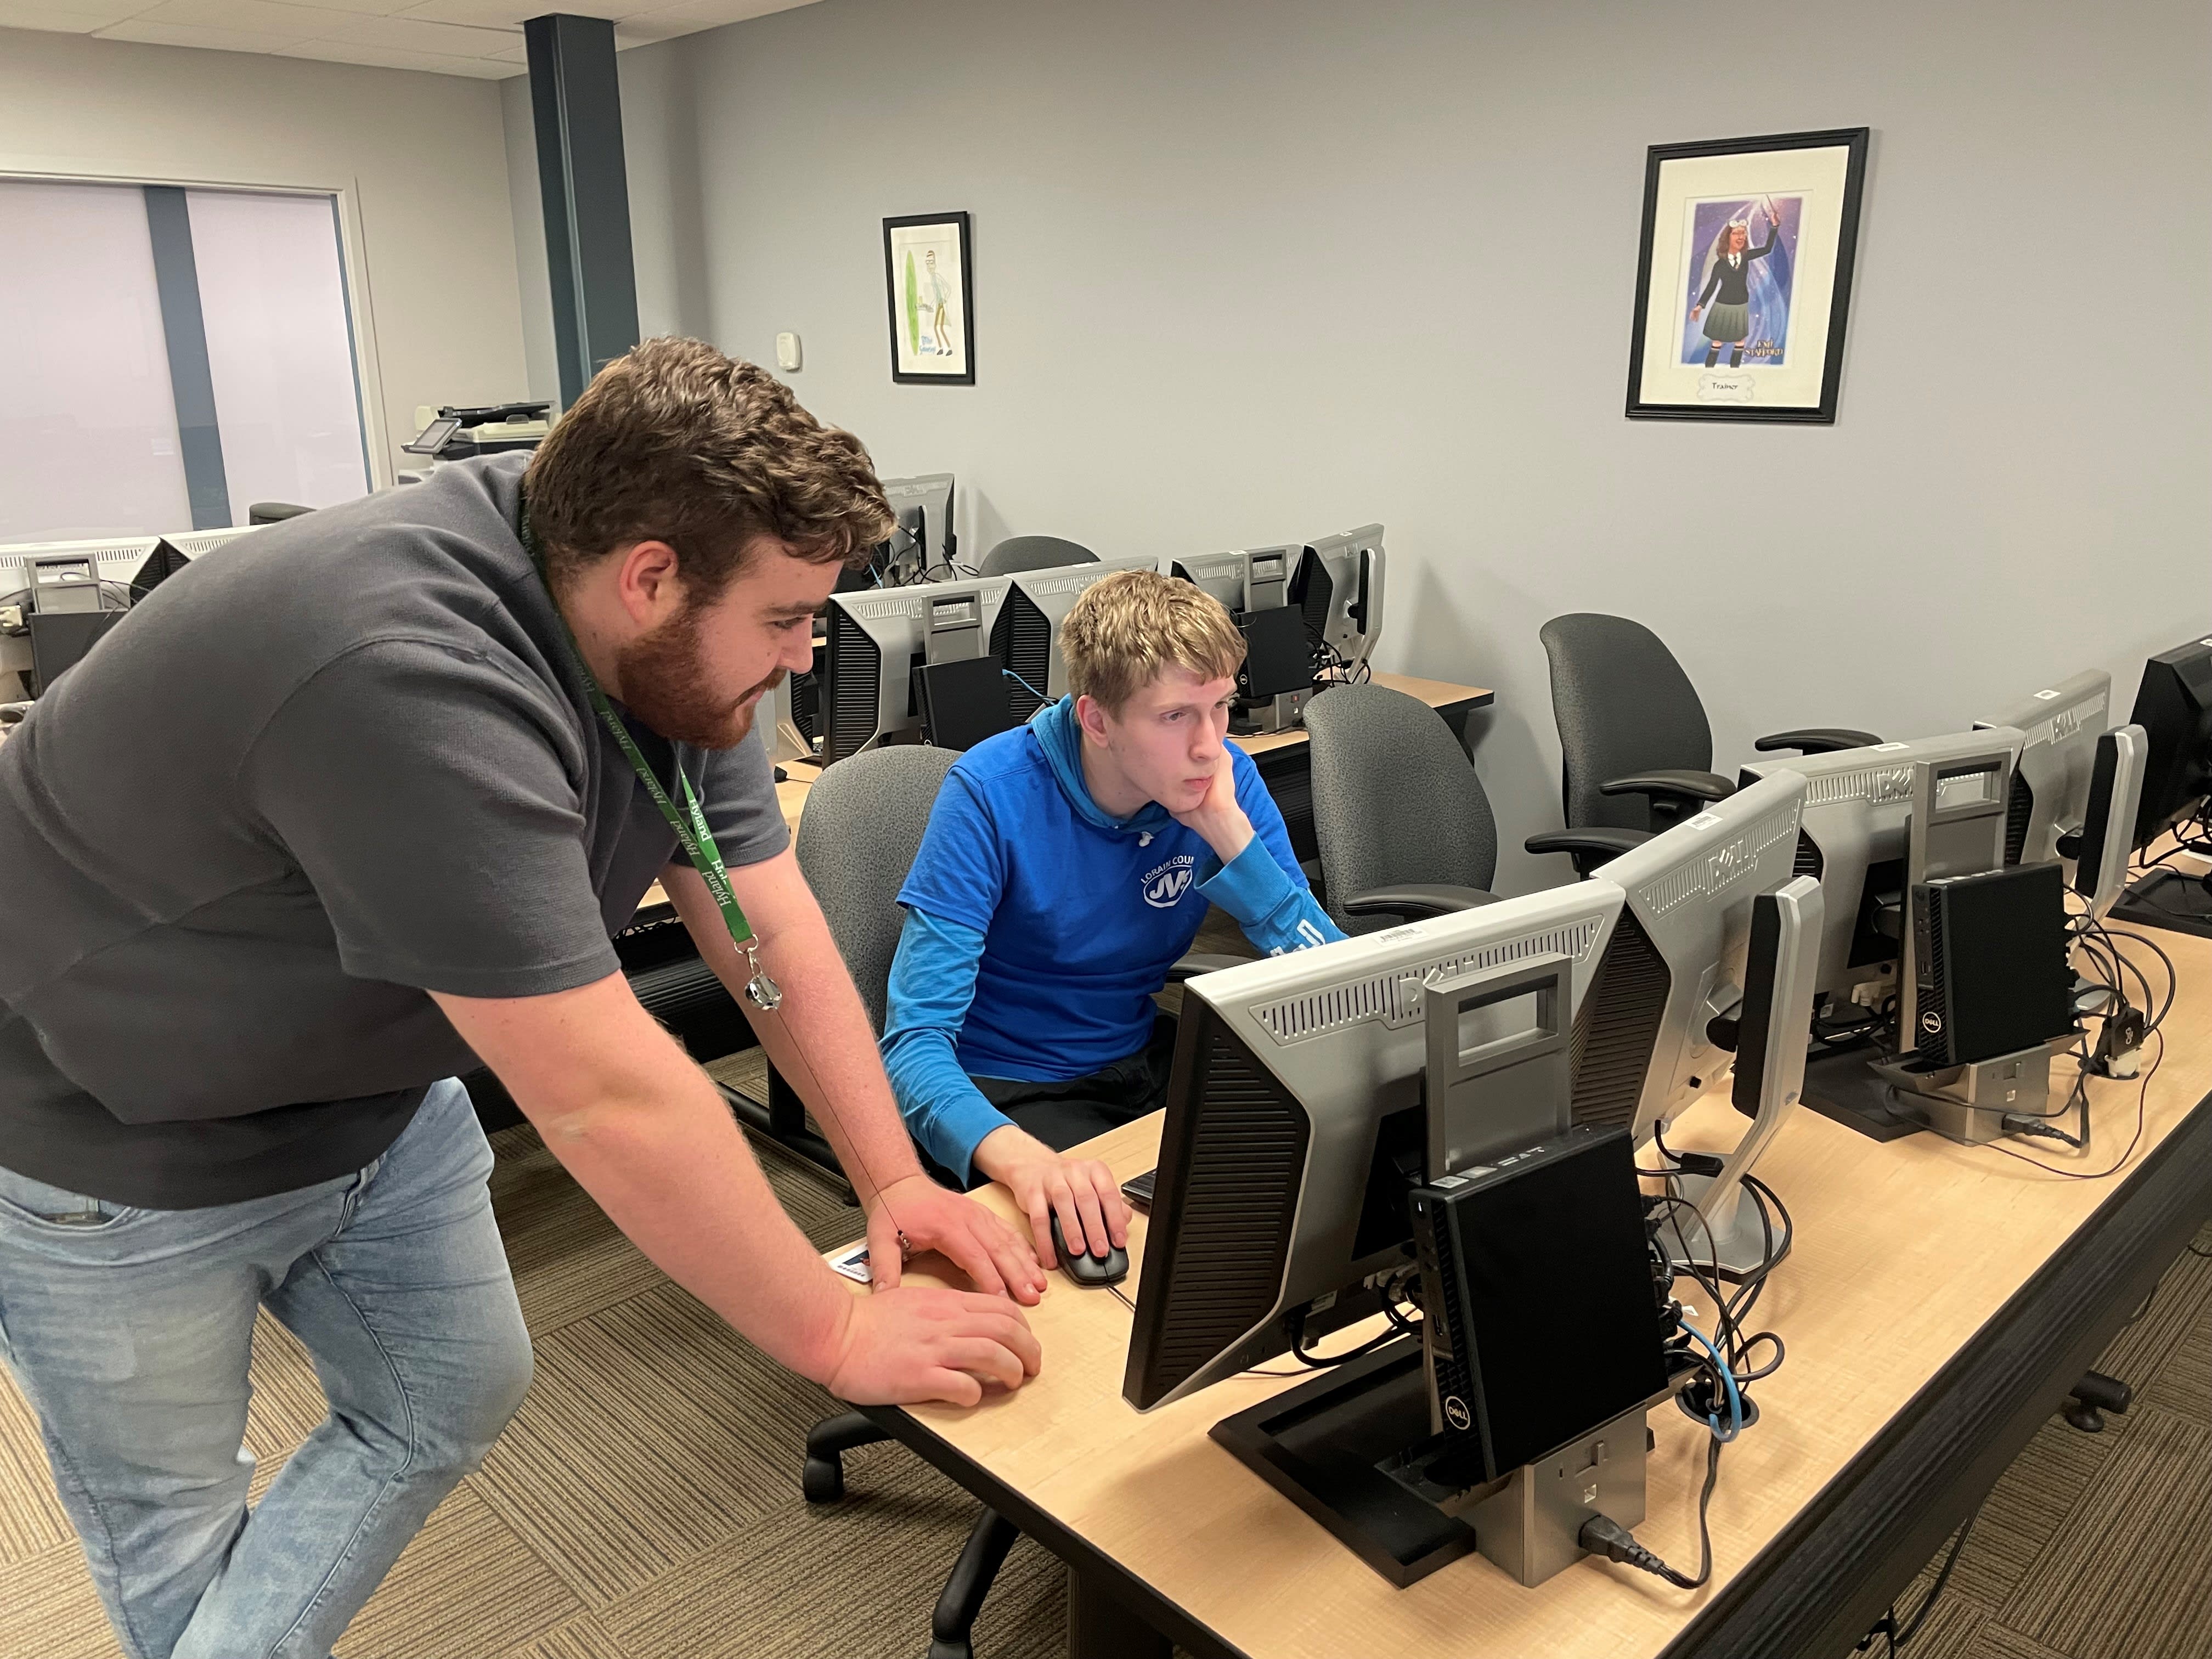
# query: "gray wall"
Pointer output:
{"type": "Point", "coordinates": [1255, 271]}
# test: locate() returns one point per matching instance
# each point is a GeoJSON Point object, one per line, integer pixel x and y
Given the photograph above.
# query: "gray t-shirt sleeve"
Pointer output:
{"type": "Point", "coordinates": [736, 789]}
{"type": "Point", "coordinates": [430, 798]}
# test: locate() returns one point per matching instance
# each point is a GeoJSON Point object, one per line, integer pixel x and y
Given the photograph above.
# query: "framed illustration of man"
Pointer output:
{"type": "Point", "coordinates": [927, 277]}
{"type": "Point", "coordinates": [1743, 277]}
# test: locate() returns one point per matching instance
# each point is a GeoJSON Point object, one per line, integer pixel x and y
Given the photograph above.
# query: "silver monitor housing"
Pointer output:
{"type": "Point", "coordinates": [1244, 579]}
{"type": "Point", "coordinates": [1026, 636]}
{"type": "Point", "coordinates": [1857, 815]}
{"type": "Point", "coordinates": [1341, 1032]}
{"type": "Point", "coordinates": [876, 639]}
{"type": "Point", "coordinates": [1674, 963]}
{"type": "Point", "coordinates": [910, 559]}
{"type": "Point", "coordinates": [2123, 753]}
{"type": "Point", "coordinates": [1343, 609]}
{"type": "Point", "coordinates": [2059, 726]}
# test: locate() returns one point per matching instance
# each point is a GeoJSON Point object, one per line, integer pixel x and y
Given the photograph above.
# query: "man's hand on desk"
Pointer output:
{"type": "Point", "coordinates": [900, 1347]}
{"type": "Point", "coordinates": [992, 1253]}
{"type": "Point", "coordinates": [1082, 1191]}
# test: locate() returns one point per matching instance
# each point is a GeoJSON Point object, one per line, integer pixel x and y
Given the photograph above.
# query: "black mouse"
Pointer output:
{"type": "Point", "coordinates": [1091, 1271]}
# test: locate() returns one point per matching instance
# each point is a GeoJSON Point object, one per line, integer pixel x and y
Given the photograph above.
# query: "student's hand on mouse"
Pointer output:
{"type": "Point", "coordinates": [1081, 1191]}
{"type": "Point", "coordinates": [993, 1255]}
{"type": "Point", "coordinates": [1219, 818]}
{"type": "Point", "coordinates": [901, 1346]}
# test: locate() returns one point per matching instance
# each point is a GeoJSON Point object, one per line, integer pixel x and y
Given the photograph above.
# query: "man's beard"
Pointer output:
{"type": "Point", "coordinates": [665, 684]}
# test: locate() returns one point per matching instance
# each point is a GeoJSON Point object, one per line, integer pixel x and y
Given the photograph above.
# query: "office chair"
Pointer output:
{"type": "Point", "coordinates": [856, 839]}
{"type": "Point", "coordinates": [1635, 749]}
{"type": "Point", "coordinates": [1404, 827]}
{"type": "Point", "coordinates": [1019, 553]}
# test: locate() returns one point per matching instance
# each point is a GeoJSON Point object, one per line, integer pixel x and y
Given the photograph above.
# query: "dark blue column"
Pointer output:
{"type": "Point", "coordinates": [177, 279]}
{"type": "Point", "coordinates": [575, 105]}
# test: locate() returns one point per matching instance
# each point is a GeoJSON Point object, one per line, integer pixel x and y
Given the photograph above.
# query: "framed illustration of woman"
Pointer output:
{"type": "Point", "coordinates": [1743, 277]}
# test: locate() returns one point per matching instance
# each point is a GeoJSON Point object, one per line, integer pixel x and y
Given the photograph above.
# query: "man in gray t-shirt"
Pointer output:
{"type": "Point", "coordinates": [327, 819]}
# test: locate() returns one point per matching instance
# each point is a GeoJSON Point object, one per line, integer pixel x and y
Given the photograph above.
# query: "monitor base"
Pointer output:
{"type": "Point", "coordinates": [1844, 1085]}
{"type": "Point", "coordinates": [1346, 1448]}
{"type": "Point", "coordinates": [1734, 1248]}
{"type": "Point", "coordinates": [2168, 899]}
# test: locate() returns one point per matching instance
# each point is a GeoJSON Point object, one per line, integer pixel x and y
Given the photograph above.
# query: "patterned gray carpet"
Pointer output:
{"type": "Point", "coordinates": [644, 1503]}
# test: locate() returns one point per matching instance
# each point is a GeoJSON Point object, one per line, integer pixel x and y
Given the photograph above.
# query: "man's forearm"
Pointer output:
{"type": "Point", "coordinates": [642, 1130]}
{"type": "Point", "coordinates": [819, 1039]}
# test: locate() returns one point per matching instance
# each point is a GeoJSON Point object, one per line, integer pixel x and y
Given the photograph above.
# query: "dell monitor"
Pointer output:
{"type": "Point", "coordinates": [875, 640]}
{"type": "Point", "coordinates": [1298, 1125]}
{"type": "Point", "coordinates": [1338, 588]}
{"type": "Point", "coordinates": [2174, 706]}
{"type": "Point", "coordinates": [1025, 639]}
{"type": "Point", "coordinates": [923, 539]}
{"type": "Point", "coordinates": [2059, 726]}
{"type": "Point", "coordinates": [1255, 579]}
{"type": "Point", "coordinates": [1710, 966]}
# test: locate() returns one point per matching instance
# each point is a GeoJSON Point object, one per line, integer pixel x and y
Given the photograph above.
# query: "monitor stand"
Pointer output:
{"type": "Point", "coordinates": [1348, 1448]}
{"type": "Point", "coordinates": [2167, 898]}
{"type": "Point", "coordinates": [1842, 1083]}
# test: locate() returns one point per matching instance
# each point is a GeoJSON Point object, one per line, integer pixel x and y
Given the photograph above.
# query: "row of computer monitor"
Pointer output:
{"type": "Point", "coordinates": [1328, 594]}
{"type": "Point", "coordinates": [1305, 1098]}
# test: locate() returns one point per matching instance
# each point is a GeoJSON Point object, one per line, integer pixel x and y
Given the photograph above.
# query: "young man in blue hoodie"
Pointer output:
{"type": "Point", "coordinates": [1066, 868]}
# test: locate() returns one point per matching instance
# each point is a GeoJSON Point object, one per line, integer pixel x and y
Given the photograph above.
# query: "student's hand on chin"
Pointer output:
{"type": "Point", "coordinates": [1081, 1191]}
{"type": "Point", "coordinates": [992, 1253]}
{"type": "Point", "coordinates": [1218, 818]}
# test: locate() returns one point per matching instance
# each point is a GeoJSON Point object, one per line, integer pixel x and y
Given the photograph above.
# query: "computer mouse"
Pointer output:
{"type": "Point", "coordinates": [1088, 1270]}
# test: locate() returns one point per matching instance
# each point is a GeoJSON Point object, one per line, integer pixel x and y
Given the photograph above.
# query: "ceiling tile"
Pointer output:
{"type": "Point", "coordinates": [645, 30]}
{"type": "Point", "coordinates": [71, 19]}
{"type": "Point", "coordinates": [292, 22]}
{"type": "Point", "coordinates": [338, 52]}
{"type": "Point", "coordinates": [362, 8]}
{"type": "Point", "coordinates": [512, 13]}
{"type": "Point", "coordinates": [212, 39]}
{"type": "Point", "coordinates": [711, 12]}
{"type": "Point", "coordinates": [417, 34]}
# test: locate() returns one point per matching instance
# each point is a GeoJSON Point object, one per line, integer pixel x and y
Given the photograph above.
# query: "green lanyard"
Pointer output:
{"type": "Point", "coordinates": [692, 834]}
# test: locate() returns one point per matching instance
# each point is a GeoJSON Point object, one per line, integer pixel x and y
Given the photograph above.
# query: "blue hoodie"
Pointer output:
{"type": "Point", "coordinates": [1037, 927]}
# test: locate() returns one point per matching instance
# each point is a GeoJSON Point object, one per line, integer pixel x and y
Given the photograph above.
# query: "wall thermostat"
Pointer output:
{"type": "Point", "coordinates": [786, 351]}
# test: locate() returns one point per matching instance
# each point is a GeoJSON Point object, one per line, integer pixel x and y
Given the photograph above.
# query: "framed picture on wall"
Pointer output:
{"type": "Point", "coordinates": [926, 273]}
{"type": "Point", "coordinates": [1743, 280]}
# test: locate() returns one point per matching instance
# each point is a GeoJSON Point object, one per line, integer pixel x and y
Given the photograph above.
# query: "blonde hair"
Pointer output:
{"type": "Point", "coordinates": [1125, 629]}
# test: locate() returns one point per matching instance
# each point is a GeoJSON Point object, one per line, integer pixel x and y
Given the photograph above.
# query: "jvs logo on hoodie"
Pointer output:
{"type": "Point", "coordinates": [1164, 884]}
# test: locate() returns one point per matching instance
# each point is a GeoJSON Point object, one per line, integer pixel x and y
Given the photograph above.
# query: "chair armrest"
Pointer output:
{"type": "Point", "coordinates": [1681, 786]}
{"type": "Point", "coordinates": [1201, 962]}
{"type": "Point", "coordinates": [1417, 900]}
{"type": "Point", "coordinates": [1817, 740]}
{"type": "Point", "coordinates": [1595, 844]}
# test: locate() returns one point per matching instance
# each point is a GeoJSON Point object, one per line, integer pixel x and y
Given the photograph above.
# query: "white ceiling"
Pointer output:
{"type": "Point", "coordinates": [445, 37]}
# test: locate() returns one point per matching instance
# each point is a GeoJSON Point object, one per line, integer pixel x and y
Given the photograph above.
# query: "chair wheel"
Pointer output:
{"type": "Point", "coordinates": [943, 1649]}
{"type": "Point", "coordinates": [824, 1481]}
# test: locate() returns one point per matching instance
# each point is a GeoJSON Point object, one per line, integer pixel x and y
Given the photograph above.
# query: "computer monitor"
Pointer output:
{"type": "Point", "coordinates": [2174, 706]}
{"type": "Point", "coordinates": [1709, 969]}
{"type": "Point", "coordinates": [924, 540]}
{"type": "Point", "coordinates": [1853, 838]}
{"type": "Point", "coordinates": [1025, 639]}
{"type": "Point", "coordinates": [1298, 1125]}
{"type": "Point", "coordinates": [1252, 578]}
{"type": "Point", "coordinates": [1338, 586]}
{"type": "Point", "coordinates": [874, 643]}
{"type": "Point", "coordinates": [2059, 726]}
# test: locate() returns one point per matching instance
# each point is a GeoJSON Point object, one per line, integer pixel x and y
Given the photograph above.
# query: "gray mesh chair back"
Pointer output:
{"type": "Point", "coordinates": [862, 827]}
{"type": "Point", "coordinates": [1395, 800]}
{"type": "Point", "coordinates": [1623, 705]}
{"type": "Point", "coordinates": [1019, 553]}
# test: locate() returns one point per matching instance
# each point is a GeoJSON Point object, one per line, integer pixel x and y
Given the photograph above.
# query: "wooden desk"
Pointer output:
{"type": "Point", "coordinates": [1938, 1304]}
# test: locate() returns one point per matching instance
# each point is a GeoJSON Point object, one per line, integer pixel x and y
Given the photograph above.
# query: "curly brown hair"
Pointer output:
{"type": "Point", "coordinates": [676, 442]}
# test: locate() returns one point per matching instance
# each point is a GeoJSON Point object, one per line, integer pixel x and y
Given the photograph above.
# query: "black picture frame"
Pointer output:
{"type": "Point", "coordinates": [963, 372]}
{"type": "Point", "coordinates": [1641, 405]}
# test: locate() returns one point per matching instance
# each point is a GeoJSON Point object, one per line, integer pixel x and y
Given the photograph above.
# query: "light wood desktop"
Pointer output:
{"type": "Point", "coordinates": [1904, 1252]}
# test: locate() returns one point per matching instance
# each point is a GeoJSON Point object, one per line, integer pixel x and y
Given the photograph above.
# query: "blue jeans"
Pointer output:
{"type": "Point", "coordinates": [130, 1331]}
